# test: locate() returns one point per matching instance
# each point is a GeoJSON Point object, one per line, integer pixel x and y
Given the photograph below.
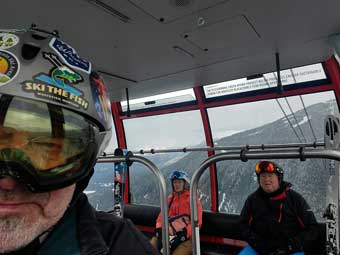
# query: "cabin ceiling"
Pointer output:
{"type": "Point", "coordinates": [158, 46]}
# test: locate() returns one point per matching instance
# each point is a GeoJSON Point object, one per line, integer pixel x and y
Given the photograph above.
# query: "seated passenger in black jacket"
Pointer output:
{"type": "Point", "coordinates": [276, 220]}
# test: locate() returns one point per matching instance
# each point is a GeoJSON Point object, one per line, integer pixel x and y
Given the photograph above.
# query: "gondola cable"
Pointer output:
{"type": "Point", "coordinates": [284, 113]}
{"type": "Point", "coordinates": [309, 122]}
{"type": "Point", "coordinates": [304, 108]}
{"type": "Point", "coordinates": [297, 123]}
{"type": "Point", "coordinates": [323, 163]}
{"type": "Point", "coordinates": [292, 113]}
{"type": "Point", "coordinates": [287, 118]}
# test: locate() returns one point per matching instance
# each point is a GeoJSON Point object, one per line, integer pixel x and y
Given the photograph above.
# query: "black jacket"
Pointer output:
{"type": "Point", "coordinates": [85, 231]}
{"type": "Point", "coordinates": [104, 233]}
{"type": "Point", "coordinates": [277, 220]}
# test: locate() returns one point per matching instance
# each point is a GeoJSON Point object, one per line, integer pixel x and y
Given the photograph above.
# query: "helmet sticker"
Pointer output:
{"type": "Point", "coordinates": [8, 40]}
{"type": "Point", "coordinates": [57, 84]}
{"type": "Point", "coordinates": [9, 67]}
{"type": "Point", "coordinates": [61, 76]}
{"type": "Point", "coordinates": [99, 95]}
{"type": "Point", "coordinates": [70, 56]}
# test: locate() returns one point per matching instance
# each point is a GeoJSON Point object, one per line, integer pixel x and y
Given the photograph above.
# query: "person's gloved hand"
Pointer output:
{"type": "Point", "coordinates": [252, 240]}
{"type": "Point", "coordinates": [258, 244]}
{"type": "Point", "coordinates": [180, 237]}
{"type": "Point", "coordinates": [158, 233]}
{"type": "Point", "coordinates": [280, 251]}
{"type": "Point", "coordinates": [294, 245]}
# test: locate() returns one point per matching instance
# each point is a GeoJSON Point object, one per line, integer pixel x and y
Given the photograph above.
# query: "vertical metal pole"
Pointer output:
{"type": "Point", "coordinates": [331, 214]}
{"type": "Point", "coordinates": [127, 102]}
{"type": "Point", "coordinates": [120, 133]}
{"type": "Point", "coordinates": [278, 72]}
{"type": "Point", "coordinates": [162, 192]}
{"type": "Point", "coordinates": [196, 247]}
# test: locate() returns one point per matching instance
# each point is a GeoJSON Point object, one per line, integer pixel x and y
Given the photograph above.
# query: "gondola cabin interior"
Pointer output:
{"type": "Point", "coordinates": [184, 74]}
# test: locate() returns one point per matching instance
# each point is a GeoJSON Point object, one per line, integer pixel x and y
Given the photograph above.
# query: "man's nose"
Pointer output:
{"type": "Point", "coordinates": [8, 183]}
{"type": "Point", "coordinates": [266, 178]}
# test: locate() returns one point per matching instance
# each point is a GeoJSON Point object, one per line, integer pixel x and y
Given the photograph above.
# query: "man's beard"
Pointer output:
{"type": "Point", "coordinates": [18, 230]}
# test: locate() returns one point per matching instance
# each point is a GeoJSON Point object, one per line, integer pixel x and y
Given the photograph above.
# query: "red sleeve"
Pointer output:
{"type": "Point", "coordinates": [199, 212]}
{"type": "Point", "coordinates": [199, 215]}
{"type": "Point", "coordinates": [159, 218]}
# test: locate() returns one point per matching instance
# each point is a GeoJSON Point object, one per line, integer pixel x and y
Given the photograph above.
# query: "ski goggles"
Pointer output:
{"type": "Point", "coordinates": [267, 166]}
{"type": "Point", "coordinates": [178, 175]}
{"type": "Point", "coordinates": [44, 146]}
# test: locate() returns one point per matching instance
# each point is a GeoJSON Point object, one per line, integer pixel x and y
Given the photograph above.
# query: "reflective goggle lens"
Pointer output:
{"type": "Point", "coordinates": [264, 166]}
{"type": "Point", "coordinates": [51, 143]}
{"type": "Point", "coordinates": [177, 175]}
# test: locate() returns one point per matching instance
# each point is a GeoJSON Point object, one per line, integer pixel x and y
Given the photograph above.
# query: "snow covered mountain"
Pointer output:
{"type": "Point", "coordinates": [236, 179]}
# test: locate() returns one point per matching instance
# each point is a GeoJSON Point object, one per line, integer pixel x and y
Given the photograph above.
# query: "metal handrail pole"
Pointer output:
{"type": "Point", "coordinates": [300, 154]}
{"type": "Point", "coordinates": [162, 187]}
{"type": "Point", "coordinates": [229, 148]}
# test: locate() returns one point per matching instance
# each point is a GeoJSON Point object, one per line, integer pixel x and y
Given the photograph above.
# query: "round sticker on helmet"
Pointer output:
{"type": "Point", "coordinates": [9, 67]}
{"type": "Point", "coordinates": [8, 40]}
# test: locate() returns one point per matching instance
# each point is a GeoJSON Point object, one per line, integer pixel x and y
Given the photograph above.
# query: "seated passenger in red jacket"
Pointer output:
{"type": "Point", "coordinates": [179, 217]}
{"type": "Point", "coordinates": [276, 220]}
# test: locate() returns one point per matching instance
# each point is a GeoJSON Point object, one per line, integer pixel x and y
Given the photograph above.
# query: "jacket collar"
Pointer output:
{"type": "Point", "coordinates": [65, 232]}
{"type": "Point", "coordinates": [90, 239]}
{"type": "Point", "coordinates": [184, 192]}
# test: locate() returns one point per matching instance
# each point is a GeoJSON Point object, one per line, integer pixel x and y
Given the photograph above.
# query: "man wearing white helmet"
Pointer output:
{"type": "Point", "coordinates": [55, 120]}
{"type": "Point", "coordinates": [179, 216]}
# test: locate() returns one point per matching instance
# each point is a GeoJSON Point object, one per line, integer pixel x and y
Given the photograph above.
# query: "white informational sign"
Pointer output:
{"type": "Point", "coordinates": [269, 80]}
{"type": "Point", "coordinates": [160, 100]}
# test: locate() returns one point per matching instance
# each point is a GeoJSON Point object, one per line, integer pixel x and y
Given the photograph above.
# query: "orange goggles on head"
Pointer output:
{"type": "Point", "coordinates": [266, 166]}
